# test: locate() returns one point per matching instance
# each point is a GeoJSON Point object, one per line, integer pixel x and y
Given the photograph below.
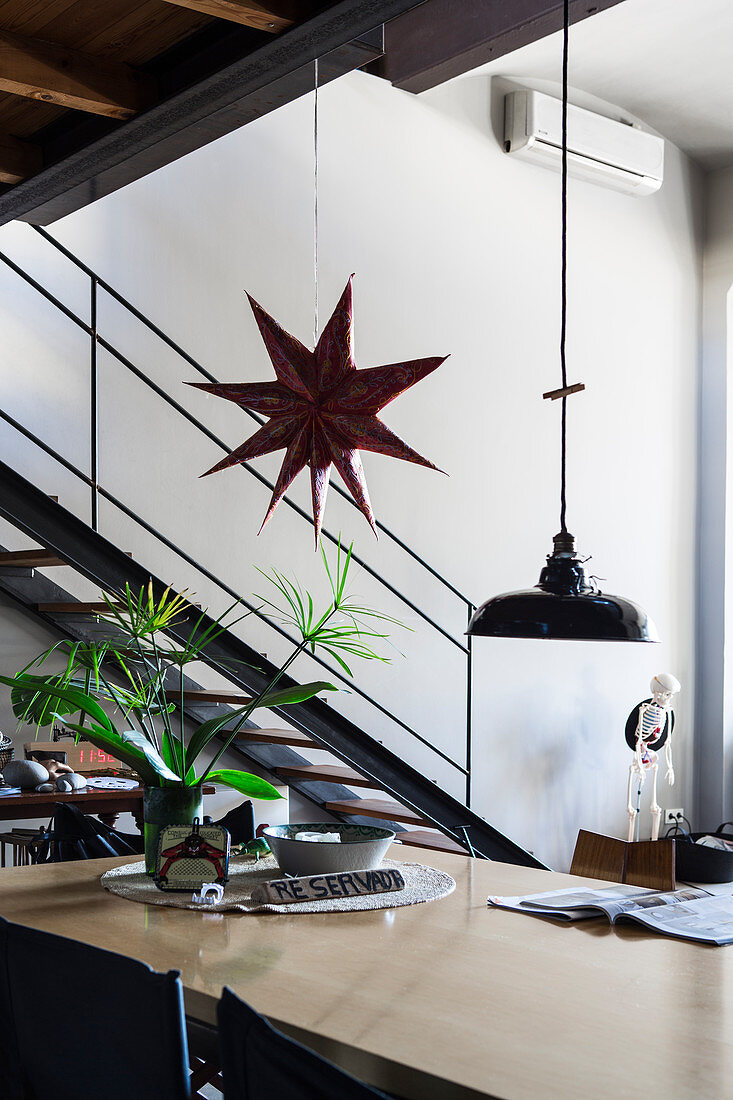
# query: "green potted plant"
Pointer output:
{"type": "Point", "coordinates": [128, 673]}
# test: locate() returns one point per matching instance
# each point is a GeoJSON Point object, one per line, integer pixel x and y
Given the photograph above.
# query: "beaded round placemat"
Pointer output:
{"type": "Point", "coordinates": [421, 884]}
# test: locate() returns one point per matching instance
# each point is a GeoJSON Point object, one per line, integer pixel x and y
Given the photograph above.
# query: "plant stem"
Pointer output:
{"type": "Point", "coordinates": [154, 737]}
{"type": "Point", "coordinates": [161, 700]}
{"type": "Point", "coordinates": [120, 706]}
{"type": "Point", "coordinates": [253, 706]}
{"type": "Point", "coordinates": [256, 702]}
{"type": "Point", "coordinates": [183, 750]}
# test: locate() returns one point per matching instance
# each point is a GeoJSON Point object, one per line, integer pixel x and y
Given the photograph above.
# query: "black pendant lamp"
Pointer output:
{"type": "Point", "coordinates": [566, 602]}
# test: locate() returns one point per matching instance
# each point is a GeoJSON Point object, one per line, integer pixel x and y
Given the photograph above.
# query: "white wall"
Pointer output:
{"type": "Point", "coordinates": [456, 249]}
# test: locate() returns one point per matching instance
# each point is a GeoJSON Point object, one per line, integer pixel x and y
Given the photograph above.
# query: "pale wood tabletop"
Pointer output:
{"type": "Point", "coordinates": [442, 1000]}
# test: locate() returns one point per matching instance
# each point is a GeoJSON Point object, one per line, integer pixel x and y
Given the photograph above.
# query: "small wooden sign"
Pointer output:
{"type": "Point", "coordinates": [191, 855]}
{"type": "Point", "coordinates": [344, 884]}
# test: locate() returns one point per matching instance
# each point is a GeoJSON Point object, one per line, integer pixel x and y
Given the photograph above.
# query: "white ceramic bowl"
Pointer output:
{"type": "Point", "coordinates": [361, 848]}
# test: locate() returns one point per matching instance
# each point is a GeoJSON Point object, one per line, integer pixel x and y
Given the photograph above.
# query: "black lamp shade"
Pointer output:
{"type": "Point", "coordinates": [565, 604]}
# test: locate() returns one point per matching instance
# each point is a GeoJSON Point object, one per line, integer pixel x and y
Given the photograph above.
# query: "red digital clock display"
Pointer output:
{"type": "Point", "coordinates": [90, 755]}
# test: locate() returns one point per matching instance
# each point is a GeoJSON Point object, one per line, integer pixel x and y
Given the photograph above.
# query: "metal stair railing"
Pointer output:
{"type": "Point", "coordinates": [30, 510]}
{"type": "Point", "coordinates": [97, 490]}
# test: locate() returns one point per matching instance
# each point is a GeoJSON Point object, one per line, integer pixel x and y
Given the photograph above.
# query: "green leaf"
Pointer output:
{"type": "Point", "coordinates": [251, 785]}
{"type": "Point", "coordinates": [172, 750]}
{"type": "Point", "coordinates": [75, 698]}
{"type": "Point", "coordinates": [339, 659]}
{"type": "Point", "coordinates": [29, 705]}
{"type": "Point", "coordinates": [132, 748]}
{"type": "Point", "coordinates": [140, 741]}
{"type": "Point", "coordinates": [180, 749]}
{"type": "Point", "coordinates": [297, 694]}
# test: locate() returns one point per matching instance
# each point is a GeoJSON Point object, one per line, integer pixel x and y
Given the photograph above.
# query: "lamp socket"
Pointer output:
{"type": "Point", "coordinates": [674, 817]}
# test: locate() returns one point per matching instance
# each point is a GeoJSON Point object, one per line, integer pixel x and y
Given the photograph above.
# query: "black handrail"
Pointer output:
{"type": "Point", "coordinates": [96, 340]}
{"type": "Point", "coordinates": [112, 499]}
{"type": "Point", "coordinates": [112, 350]}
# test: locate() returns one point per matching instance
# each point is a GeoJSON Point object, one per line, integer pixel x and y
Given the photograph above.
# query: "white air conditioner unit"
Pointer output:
{"type": "Point", "coordinates": [600, 150]}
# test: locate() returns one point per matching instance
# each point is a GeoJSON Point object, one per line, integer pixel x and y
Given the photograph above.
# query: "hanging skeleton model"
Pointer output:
{"type": "Point", "coordinates": [648, 728]}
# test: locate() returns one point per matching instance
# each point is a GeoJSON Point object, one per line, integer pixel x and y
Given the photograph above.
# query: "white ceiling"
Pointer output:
{"type": "Point", "coordinates": [668, 62]}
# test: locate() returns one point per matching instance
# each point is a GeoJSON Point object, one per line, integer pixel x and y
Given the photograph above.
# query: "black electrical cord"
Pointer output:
{"type": "Point", "coordinates": [564, 259]}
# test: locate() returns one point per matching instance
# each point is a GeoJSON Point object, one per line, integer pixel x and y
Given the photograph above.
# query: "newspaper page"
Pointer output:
{"type": "Point", "coordinates": [614, 905]}
{"type": "Point", "coordinates": [566, 905]}
{"type": "Point", "coordinates": [703, 919]}
{"type": "Point", "coordinates": [693, 913]}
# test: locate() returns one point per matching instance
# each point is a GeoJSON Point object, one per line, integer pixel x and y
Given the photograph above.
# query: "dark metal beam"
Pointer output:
{"type": "Point", "coordinates": [442, 39]}
{"type": "Point", "coordinates": [278, 71]}
{"type": "Point", "coordinates": [31, 511]}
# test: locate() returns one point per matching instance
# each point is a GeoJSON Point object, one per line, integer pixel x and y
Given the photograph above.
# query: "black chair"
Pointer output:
{"type": "Point", "coordinates": [240, 823]}
{"type": "Point", "coordinates": [79, 1023]}
{"type": "Point", "coordinates": [259, 1063]}
{"type": "Point", "coordinates": [75, 835]}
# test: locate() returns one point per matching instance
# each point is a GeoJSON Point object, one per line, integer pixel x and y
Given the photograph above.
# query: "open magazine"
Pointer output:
{"type": "Point", "coordinates": [691, 913]}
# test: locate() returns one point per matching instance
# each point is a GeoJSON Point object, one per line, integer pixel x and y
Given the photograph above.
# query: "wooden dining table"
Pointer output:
{"type": "Point", "coordinates": [448, 1000]}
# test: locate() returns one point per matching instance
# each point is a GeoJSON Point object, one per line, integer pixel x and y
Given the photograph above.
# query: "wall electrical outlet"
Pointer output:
{"type": "Point", "coordinates": [674, 817]}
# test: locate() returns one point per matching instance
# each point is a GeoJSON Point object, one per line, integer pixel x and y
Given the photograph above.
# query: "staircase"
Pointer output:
{"type": "Point", "coordinates": [363, 781]}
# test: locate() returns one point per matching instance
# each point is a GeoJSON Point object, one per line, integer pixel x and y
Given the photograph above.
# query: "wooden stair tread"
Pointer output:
{"type": "Point", "coordinates": [206, 695]}
{"type": "Point", "coordinates": [277, 737]}
{"type": "Point", "coordinates": [94, 608]}
{"type": "Point", "coordinates": [325, 773]}
{"type": "Point", "coordinates": [423, 838]}
{"type": "Point", "coordinates": [30, 559]}
{"type": "Point", "coordinates": [376, 807]}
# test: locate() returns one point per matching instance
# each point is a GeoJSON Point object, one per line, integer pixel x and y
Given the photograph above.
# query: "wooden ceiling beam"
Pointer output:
{"type": "Point", "coordinates": [43, 70]}
{"type": "Point", "coordinates": [273, 16]}
{"type": "Point", "coordinates": [440, 39]}
{"type": "Point", "coordinates": [272, 74]}
{"type": "Point", "coordinates": [87, 158]}
{"type": "Point", "coordinates": [18, 159]}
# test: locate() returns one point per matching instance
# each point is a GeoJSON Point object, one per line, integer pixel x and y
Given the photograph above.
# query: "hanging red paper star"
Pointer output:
{"type": "Point", "coordinates": [321, 409]}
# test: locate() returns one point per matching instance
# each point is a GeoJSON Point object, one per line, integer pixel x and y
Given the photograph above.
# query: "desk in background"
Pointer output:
{"type": "Point", "coordinates": [108, 805]}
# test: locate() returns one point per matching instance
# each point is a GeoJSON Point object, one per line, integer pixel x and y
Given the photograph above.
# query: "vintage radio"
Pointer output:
{"type": "Point", "coordinates": [191, 855]}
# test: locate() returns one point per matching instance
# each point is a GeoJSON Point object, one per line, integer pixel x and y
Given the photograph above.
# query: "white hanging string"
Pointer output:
{"type": "Point", "coordinates": [315, 203]}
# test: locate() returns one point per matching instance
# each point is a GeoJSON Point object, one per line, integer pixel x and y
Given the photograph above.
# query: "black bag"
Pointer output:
{"type": "Point", "coordinates": [698, 863]}
{"type": "Point", "coordinates": [74, 835]}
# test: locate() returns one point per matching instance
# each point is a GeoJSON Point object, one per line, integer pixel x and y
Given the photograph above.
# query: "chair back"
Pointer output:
{"type": "Point", "coordinates": [80, 1023]}
{"type": "Point", "coordinates": [76, 835]}
{"type": "Point", "coordinates": [259, 1063]}
{"type": "Point", "coordinates": [240, 823]}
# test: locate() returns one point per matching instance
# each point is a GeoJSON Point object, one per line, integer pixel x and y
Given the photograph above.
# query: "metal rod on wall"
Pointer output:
{"type": "Point", "coordinates": [93, 410]}
{"type": "Point", "coordinates": [469, 705]}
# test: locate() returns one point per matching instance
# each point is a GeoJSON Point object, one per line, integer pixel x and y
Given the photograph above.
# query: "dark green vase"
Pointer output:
{"type": "Point", "coordinates": [167, 806]}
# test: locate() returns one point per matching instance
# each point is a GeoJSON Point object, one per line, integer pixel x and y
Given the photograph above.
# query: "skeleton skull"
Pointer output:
{"type": "Point", "coordinates": [663, 687]}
